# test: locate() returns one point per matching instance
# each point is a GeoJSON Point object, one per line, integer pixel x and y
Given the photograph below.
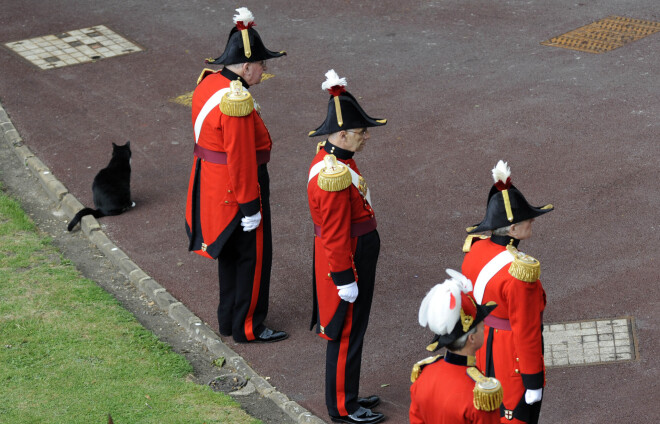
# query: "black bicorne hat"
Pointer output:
{"type": "Point", "coordinates": [244, 34]}
{"type": "Point", "coordinates": [450, 310]}
{"type": "Point", "coordinates": [506, 204]}
{"type": "Point", "coordinates": [344, 111]}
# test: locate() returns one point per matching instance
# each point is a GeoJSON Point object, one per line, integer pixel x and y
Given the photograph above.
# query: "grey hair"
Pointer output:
{"type": "Point", "coordinates": [460, 342]}
{"type": "Point", "coordinates": [235, 67]}
{"type": "Point", "coordinates": [502, 231]}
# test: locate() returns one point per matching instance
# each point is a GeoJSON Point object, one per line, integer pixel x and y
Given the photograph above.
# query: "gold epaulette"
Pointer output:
{"type": "Point", "coordinates": [417, 368]}
{"type": "Point", "coordinates": [320, 145]}
{"type": "Point", "coordinates": [470, 239]}
{"type": "Point", "coordinates": [334, 176]}
{"type": "Point", "coordinates": [205, 72]}
{"type": "Point", "coordinates": [487, 391]}
{"type": "Point", "coordinates": [524, 267]}
{"type": "Point", "coordinates": [237, 102]}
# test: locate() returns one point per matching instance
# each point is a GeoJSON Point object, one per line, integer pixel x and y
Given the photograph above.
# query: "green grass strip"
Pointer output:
{"type": "Point", "coordinates": [69, 353]}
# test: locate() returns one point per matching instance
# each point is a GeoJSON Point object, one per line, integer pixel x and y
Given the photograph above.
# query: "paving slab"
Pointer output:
{"type": "Point", "coordinates": [463, 84]}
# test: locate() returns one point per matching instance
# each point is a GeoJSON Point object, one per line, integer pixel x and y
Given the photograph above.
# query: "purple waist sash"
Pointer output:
{"type": "Point", "coordinates": [220, 158]}
{"type": "Point", "coordinates": [498, 323]}
{"type": "Point", "coordinates": [357, 229]}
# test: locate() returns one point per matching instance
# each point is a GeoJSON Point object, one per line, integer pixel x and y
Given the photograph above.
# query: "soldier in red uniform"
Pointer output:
{"type": "Point", "coordinates": [514, 345]}
{"type": "Point", "coordinates": [451, 390]}
{"type": "Point", "coordinates": [346, 247]}
{"type": "Point", "coordinates": [228, 210]}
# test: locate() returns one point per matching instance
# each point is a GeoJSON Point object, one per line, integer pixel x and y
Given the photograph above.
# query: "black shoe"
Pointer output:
{"type": "Point", "coordinates": [361, 416]}
{"type": "Point", "coordinates": [369, 402]}
{"type": "Point", "coordinates": [270, 336]}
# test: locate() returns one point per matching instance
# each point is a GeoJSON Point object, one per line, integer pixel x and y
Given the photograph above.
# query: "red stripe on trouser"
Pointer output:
{"type": "Point", "coordinates": [340, 384]}
{"type": "Point", "coordinates": [256, 283]}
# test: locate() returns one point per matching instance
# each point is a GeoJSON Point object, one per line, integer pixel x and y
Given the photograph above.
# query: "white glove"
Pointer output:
{"type": "Point", "coordinates": [533, 396]}
{"type": "Point", "coordinates": [251, 222]}
{"type": "Point", "coordinates": [349, 292]}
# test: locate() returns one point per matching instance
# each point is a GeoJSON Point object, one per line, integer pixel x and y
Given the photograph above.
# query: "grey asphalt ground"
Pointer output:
{"type": "Point", "coordinates": [462, 83]}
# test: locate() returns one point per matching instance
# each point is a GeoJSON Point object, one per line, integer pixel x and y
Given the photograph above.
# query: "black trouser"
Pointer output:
{"type": "Point", "coordinates": [244, 266]}
{"type": "Point", "coordinates": [344, 356]}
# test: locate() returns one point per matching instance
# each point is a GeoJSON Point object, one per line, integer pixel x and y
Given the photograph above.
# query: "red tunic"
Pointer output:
{"type": "Point", "coordinates": [334, 212]}
{"type": "Point", "coordinates": [224, 189]}
{"type": "Point", "coordinates": [518, 353]}
{"type": "Point", "coordinates": [443, 394]}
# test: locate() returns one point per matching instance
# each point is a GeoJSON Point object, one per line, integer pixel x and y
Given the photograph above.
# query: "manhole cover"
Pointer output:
{"type": "Point", "coordinates": [73, 47]}
{"type": "Point", "coordinates": [604, 35]}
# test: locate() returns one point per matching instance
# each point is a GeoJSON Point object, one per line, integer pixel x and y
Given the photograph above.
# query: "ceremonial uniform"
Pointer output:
{"type": "Point", "coordinates": [452, 390]}
{"type": "Point", "coordinates": [346, 248]}
{"type": "Point", "coordinates": [444, 393]}
{"type": "Point", "coordinates": [229, 181]}
{"type": "Point", "coordinates": [513, 352]}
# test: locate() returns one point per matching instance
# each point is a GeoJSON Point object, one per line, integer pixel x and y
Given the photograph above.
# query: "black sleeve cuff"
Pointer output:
{"type": "Point", "coordinates": [250, 208]}
{"type": "Point", "coordinates": [342, 278]}
{"type": "Point", "coordinates": [533, 381]}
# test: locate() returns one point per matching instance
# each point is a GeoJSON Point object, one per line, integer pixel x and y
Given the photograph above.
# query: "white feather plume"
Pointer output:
{"type": "Point", "coordinates": [244, 15]}
{"type": "Point", "coordinates": [462, 280]}
{"type": "Point", "coordinates": [332, 79]}
{"type": "Point", "coordinates": [436, 312]}
{"type": "Point", "coordinates": [501, 172]}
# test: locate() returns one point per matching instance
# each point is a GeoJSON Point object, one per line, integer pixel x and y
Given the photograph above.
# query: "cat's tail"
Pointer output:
{"type": "Point", "coordinates": [85, 211]}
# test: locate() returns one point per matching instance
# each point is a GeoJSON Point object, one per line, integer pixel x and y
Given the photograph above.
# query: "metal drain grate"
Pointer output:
{"type": "Point", "coordinates": [73, 47]}
{"type": "Point", "coordinates": [604, 35]}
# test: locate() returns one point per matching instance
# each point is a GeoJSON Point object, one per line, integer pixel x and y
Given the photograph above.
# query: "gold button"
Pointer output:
{"type": "Point", "coordinates": [517, 371]}
{"type": "Point", "coordinates": [228, 191]}
{"type": "Point", "coordinates": [227, 201]}
{"type": "Point", "coordinates": [496, 330]}
{"type": "Point", "coordinates": [329, 275]}
{"type": "Point", "coordinates": [517, 359]}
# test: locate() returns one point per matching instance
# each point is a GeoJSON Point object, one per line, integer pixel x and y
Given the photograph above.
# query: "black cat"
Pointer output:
{"type": "Point", "coordinates": [111, 189]}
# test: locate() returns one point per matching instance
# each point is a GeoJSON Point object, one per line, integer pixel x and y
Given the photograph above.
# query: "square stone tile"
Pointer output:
{"type": "Point", "coordinates": [90, 44]}
{"type": "Point", "coordinates": [589, 342]}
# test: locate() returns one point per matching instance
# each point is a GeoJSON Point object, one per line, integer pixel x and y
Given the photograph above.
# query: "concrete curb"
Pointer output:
{"type": "Point", "coordinates": [196, 329]}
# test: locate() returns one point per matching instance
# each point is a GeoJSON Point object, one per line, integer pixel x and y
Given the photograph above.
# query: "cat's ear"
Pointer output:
{"type": "Point", "coordinates": [128, 143]}
{"type": "Point", "coordinates": [114, 145]}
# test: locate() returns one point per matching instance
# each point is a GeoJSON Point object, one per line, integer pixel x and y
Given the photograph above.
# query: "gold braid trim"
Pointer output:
{"type": "Point", "coordinates": [507, 205]}
{"type": "Point", "coordinates": [320, 145]}
{"type": "Point", "coordinates": [487, 391]}
{"type": "Point", "coordinates": [205, 72]}
{"type": "Point", "coordinates": [432, 347]}
{"type": "Point", "coordinates": [524, 267]}
{"type": "Point", "coordinates": [470, 239]}
{"type": "Point", "coordinates": [246, 43]}
{"type": "Point", "coordinates": [417, 368]}
{"type": "Point", "coordinates": [237, 102]}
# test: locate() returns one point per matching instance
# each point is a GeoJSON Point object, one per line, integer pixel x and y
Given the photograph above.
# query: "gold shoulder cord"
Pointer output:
{"type": "Point", "coordinates": [524, 267]}
{"type": "Point", "coordinates": [417, 368]}
{"type": "Point", "coordinates": [334, 176]}
{"type": "Point", "coordinates": [487, 391]}
{"type": "Point", "coordinates": [237, 102]}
